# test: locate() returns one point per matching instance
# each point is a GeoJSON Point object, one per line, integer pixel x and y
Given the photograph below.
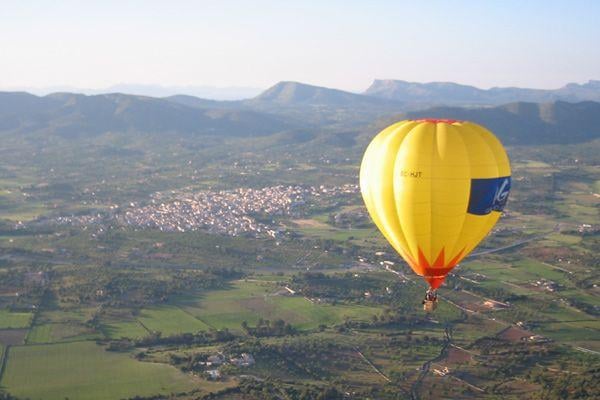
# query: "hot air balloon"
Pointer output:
{"type": "Point", "coordinates": [434, 188]}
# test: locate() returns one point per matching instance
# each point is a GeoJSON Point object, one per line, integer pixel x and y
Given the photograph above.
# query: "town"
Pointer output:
{"type": "Point", "coordinates": [227, 212]}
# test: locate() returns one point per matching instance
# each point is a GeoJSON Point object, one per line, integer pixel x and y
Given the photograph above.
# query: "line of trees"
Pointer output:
{"type": "Point", "coordinates": [266, 328]}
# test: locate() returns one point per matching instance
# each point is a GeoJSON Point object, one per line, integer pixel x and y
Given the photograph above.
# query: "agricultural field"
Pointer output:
{"type": "Point", "coordinates": [14, 320]}
{"type": "Point", "coordinates": [13, 336]}
{"type": "Point", "coordinates": [170, 320]}
{"type": "Point", "coordinates": [116, 329]}
{"type": "Point", "coordinates": [250, 301]}
{"type": "Point", "coordinates": [83, 370]}
{"type": "Point", "coordinates": [60, 332]}
{"type": "Point", "coordinates": [329, 232]}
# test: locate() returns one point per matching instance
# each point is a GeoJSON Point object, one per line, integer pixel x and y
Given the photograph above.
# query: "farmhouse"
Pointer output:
{"type": "Point", "coordinates": [290, 290]}
{"type": "Point", "coordinates": [538, 339]}
{"type": "Point", "coordinates": [216, 359]}
{"type": "Point", "coordinates": [245, 360]}
{"type": "Point", "coordinates": [213, 374]}
{"type": "Point", "coordinates": [441, 372]}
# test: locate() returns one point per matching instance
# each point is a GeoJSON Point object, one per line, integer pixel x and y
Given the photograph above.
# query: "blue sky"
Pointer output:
{"type": "Point", "coordinates": [342, 44]}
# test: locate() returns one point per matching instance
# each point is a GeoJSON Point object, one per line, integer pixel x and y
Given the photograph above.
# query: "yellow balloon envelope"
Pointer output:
{"type": "Point", "coordinates": [435, 188]}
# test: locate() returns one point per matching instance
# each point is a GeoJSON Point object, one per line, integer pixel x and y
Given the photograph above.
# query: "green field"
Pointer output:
{"type": "Point", "coordinates": [169, 320]}
{"type": "Point", "coordinates": [60, 332]}
{"type": "Point", "coordinates": [578, 212]}
{"type": "Point", "coordinates": [527, 164]}
{"type": "Point", "coordinates": [520, 272]}
{"type": "Point", "coordinates": [14, 319]}
{"type": "Point", "coordinates": [572, 332]}
{"type": "Point", "coordinates": [250, 301]}
{"type": "Point", "coordinates": [555, 317]}
{"type": "Point", "coordinates": [64, 315]}
{"type": "Point", "coordinates": [40, 334]}
{"type": "Point", "coordinates": [337, 233]}
{"type": "Point", "coordinates": [124, 329]}
{"type": "Point", "coordinates": [16, 208]}
{"type": "Point", "coordinates": [84, 370]}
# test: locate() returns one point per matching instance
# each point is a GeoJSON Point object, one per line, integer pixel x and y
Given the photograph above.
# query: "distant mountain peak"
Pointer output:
{"type": "Point", "coordinates": [290, 93]}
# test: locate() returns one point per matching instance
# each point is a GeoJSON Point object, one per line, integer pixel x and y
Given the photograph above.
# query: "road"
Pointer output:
{"type": "Point", "coordinates": [515, 244]}
{"type": "Point", "coordinates": [584, 350]}
{"type": "Point", "coordinates": [384, 376]}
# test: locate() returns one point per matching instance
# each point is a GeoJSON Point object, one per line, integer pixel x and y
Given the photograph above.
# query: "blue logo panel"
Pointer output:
{"type": "Point", "coordinates": [488, 195]}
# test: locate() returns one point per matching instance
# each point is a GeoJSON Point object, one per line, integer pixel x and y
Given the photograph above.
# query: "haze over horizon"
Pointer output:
{"type": "Point", "coordinates": [211, 92]}
{"type": "Point", "coordinates": [234, 44]}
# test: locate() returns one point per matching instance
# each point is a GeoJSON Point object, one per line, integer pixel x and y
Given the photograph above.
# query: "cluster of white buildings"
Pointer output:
{"type": "Point", "coordinates": [229, 212]}
{"type": "Point", "coordinates": [80, 220]}
{"type": "Point", "coordinates": [215, 361]}
{"type": "Point", "coordinates": [587, 228]}
{"type": "Point", "coordinates": [546, 284]}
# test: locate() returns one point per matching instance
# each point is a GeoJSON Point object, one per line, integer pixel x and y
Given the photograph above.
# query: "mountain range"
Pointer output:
{"type": "Point", "coordinates": [453, 93]}
{"type": "Point", "coordinates": [528, 123]}
{"type": "Point", "coordinates": [293, 94]}
{"type": "Point", "coordinates": [433, 93]}
{"type": "Point", "coordinates": [301, 110]}
{"type": "Point", "coordinates": [203, 91]}
{"type": "Point", "coordinates": [69, 114]}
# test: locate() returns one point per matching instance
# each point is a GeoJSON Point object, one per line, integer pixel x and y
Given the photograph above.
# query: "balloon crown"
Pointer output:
{"type": "Point", "coordinates": [437, 121]}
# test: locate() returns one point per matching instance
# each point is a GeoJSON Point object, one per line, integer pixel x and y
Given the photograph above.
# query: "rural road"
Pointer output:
{"type": "Point", "coordinates": [384, 376]}
{"type": "Point", "coordinates": [515, 244]}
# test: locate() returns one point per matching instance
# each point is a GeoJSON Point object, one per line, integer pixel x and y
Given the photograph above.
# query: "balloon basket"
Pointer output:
{"type": "Point", "coordinates": [429, 305]}
{"type": "Point", "coordinates": [430, 301]}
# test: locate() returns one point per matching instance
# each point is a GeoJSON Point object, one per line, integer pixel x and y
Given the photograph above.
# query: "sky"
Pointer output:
{"type": "Point", "coordinates": [255, 43]}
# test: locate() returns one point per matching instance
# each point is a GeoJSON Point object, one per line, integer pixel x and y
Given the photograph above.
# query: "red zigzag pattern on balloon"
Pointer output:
{"type": "Point", "coordinates": [435, 272]}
